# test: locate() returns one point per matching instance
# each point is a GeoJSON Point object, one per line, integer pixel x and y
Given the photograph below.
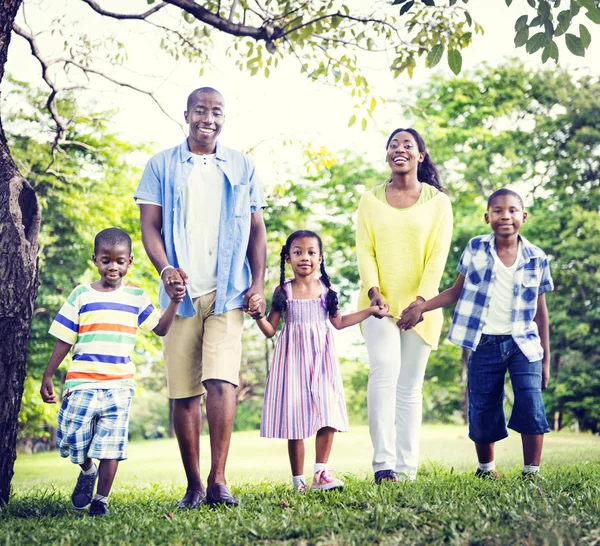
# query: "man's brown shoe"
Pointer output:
{"type": "Point", "coordinates": [219, 494]}
{"type": "Point", "coordinates": [192, 499]}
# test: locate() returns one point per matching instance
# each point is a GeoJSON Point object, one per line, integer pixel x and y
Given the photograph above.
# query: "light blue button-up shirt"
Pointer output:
{"type": "Point", "coordinates": [164, 178]}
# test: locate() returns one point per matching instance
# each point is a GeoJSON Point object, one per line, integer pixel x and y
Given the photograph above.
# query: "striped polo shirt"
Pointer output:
{"type": "Point", "coordinates": [102, 327]}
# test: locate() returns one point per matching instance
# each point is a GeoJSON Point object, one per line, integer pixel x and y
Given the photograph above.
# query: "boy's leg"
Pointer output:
{"type": "Point", "coordinates": [532, 449]}
{"type": "Point", "coordinates": [487, 425]}
{"type": "Point", "coordinates": [106, 475]}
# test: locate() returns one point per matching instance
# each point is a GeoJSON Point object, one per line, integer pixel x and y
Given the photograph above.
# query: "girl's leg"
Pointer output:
{"type": "Point", "coordinates": [409, 401]}
{"type": "Point", "coordinates": [296, 453]}
{"type": "Point", "coordinates": [106, 474]}
{"type": "Point", "coordinates": [382, 338]}
{"type": "Point", "coordinates": [323, 444]}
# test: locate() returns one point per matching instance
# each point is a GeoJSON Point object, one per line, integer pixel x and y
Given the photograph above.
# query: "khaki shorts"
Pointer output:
{"type": "Point", "coordinates": [205, 346]}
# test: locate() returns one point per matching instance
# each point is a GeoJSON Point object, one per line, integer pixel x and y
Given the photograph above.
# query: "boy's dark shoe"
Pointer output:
{"type": "Point", "coordinates": [98, 508]}
{"type": "Point", "coordinates": [192, 499]}
{"type": "Point", "coordinates": [219, 494]}
{"type": "Point", "coordinates": [84, 490]}
{"type": "Point", "coordinates": [385, 476]}
{"type": "Point", "coordinates": [486, 474]}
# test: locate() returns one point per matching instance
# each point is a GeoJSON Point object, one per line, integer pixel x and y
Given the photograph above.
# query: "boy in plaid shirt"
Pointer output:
{"type": "Point", "coordinates": [99, 321]}
{"type": "Point", "coordinates": [501, 316]}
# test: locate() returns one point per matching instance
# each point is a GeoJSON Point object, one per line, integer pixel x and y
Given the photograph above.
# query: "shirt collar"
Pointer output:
{"type": "Point", "coordinates": [528, 251]}
{"type": "Point", "coordinates": [186, 155]}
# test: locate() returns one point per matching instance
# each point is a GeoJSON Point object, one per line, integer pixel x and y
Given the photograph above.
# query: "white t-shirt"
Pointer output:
{"type": "Point", "coordinates": [201, 201]}
{"type": "Point", "coordinates": [498, 320]}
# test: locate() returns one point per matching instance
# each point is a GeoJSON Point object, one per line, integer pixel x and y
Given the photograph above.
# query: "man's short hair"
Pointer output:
{"type": "Point", "coordinates": [112, 237]}
{"type": "Point", "coordinates": [201, 90]}
{"type": "Point", "coordinates": [505, 191]}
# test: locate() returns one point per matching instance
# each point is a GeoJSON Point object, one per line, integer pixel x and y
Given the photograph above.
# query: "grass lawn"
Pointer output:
{"type": "Point", "coordinates": [445, 504]}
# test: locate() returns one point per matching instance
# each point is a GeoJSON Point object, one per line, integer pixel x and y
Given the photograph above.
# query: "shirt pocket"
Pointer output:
{"type": "Point", "coordinates": [531, 279]}
{"type": "Point", "coordinates": [241, 196]}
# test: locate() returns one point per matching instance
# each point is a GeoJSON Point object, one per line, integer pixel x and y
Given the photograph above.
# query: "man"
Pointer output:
{"type": "Point", "coordinates": [202, 224]}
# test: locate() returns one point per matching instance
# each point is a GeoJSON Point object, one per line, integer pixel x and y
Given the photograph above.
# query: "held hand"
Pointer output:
{"type": "Point", "coordinates": [377, 300]}
{"type": "Point", "coordinates": [254, 307]}
{"type": "Point", "coordinates": [380, 313]}
{"type": "Point", "coordinates": [174, 281]}
{"type": "Point", "coordinates": [258, 309]}
{"type": "Point", "coordinates": [411, 316]}
{"type": "Point", "coordinates": [418, 301]}
{"type": "Point", "coordinates": [47, 390]}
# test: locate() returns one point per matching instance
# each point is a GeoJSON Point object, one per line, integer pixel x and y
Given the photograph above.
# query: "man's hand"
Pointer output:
{"type": "Point", "coordinates": [258, 307]}
{"type": "Point", "coordinates": [174, 281]}
{"type": "Point", "coordinates": [545, 373]}
{"type": "Point", "coordinates": [47, 390]}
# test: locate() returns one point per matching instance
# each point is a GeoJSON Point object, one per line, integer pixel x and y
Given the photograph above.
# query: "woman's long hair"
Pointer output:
{"type": "Point", "coordinates": [427, 170]}
{"type": "Point", "coordinates": [279, 298]}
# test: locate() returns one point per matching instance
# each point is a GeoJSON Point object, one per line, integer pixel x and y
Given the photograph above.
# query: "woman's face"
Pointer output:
{"type": "Point", "coordinates": [403, 154]}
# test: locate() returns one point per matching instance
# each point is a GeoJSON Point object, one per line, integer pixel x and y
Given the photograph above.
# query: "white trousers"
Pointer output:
{"type": "Point", "coordinates": [397, 362]}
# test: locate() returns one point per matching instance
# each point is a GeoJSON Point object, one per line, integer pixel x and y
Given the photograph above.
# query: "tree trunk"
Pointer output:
{"type": "Point", "coordinates": [19, 228]}
{"type": "Point", "coordinates": [464, 367]}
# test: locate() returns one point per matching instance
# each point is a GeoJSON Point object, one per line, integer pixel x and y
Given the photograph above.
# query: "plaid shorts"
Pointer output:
{"type": "Point", "coordinates": [93, 423]}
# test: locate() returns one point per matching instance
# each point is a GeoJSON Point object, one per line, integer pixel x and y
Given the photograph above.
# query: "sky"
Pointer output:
{"type": "Point", "coordinates": [261, 113]}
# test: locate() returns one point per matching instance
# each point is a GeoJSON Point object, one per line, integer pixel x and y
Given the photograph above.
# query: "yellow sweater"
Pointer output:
{"type": "Point", "coordinates": [403, 252]}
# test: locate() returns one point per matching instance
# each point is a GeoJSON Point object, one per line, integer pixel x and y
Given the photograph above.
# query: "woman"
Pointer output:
{"type": "Point", "coordinates": [402, 239]}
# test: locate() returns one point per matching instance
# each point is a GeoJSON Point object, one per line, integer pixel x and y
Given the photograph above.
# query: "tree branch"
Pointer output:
{"type": "Point", "coordinates": [141, 16]}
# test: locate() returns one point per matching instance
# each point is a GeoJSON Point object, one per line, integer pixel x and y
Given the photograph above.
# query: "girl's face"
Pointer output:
{"type": "Point", "coordinates": [305, 256]}
{"type": "Point", "coordinates": [403, 153]}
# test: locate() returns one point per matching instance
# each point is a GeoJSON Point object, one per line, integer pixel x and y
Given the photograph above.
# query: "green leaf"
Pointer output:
{"type": "Point", "coordinates": [521, 23]}
{"type": "Point", "coordinates": [550, 52]}
{"type": "Point", "coordinates": [575, 45]}
{"type": "Point", "coordinates": [352, 121]}
{"type": "Point", "coordinates": [588, 4]}
{"type": "Point", "coordinates": [452, 2]}
{"type": "Point", "coordinates": [536, 42]}
{"type": "Point", "coordinates": [536, 22]}
{"type": "Point", "coordinates": [406, 7]}
{"type": "Point", "coordinates": [429, 2]}
{"type": "Point", "coordinates": [435, 55]}
{"type": "Point", "coordinates": [455, 60]}
{"type": "Point", "coordinates": [521, 37]}
{"type": "Point", "coordinates": [398, 2]}
{"type": "Point", "coordinates": [594, 16]}
{"type": "Point", "coordinates": [531, 3]}
{"type": "Point", "coordinates": [586, 37]}
{"type": "Point", "coordinates": [469, 18]}
{"type": "Point", "coordinates": [508, 2]}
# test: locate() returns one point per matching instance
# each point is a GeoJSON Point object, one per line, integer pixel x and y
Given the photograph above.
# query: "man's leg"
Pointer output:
{"type": "Point", "coordinates": [186, 421]}
{"type": "Point", "coordinates": [220, 413]}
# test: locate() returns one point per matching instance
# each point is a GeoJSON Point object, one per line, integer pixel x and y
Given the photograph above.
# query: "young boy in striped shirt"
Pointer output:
{"type": "Point", "coordinates": [501, 316]}
{"type": "Point", "coordinates": [99, 321]}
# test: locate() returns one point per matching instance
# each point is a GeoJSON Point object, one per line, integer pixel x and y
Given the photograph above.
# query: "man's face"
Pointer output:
{"type": "Point", "coordinates": [205, 116]}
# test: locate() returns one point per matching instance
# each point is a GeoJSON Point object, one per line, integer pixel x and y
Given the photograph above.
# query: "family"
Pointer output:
{"type": "Point", "coordinates": [201, 214]}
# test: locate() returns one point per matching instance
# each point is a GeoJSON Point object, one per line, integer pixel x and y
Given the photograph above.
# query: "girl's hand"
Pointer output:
{"type": "Point", "coordinates": [377, 311]}
{"type": "Point", "coordinates": [47, 390]}
{"type": "Point", "coordinates": [377, 300]}
{"type": "Point", "coordinates": [255, 306]}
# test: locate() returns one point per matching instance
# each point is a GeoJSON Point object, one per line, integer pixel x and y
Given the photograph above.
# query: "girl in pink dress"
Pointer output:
{"type": "Point", "coordinates": [304, 393]}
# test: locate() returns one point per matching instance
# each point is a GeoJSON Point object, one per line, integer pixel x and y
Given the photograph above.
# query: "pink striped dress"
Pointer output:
{"type": "Point", "coordinates": [304, 391]}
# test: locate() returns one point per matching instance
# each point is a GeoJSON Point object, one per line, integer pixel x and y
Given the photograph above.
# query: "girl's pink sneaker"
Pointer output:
{"type": "Point", "coordinates": [324, 481]}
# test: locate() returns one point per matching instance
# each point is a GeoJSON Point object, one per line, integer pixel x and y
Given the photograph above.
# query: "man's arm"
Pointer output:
{"type": "Point", "coordinates": [151, 225]}
{"type": "Point", "coordinates": [257, 257]}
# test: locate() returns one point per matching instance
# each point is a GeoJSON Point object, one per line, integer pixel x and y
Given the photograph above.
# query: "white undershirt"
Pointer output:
{"type": "Point", "coordinates": [201, 201]}
{"type": "Point", "coordinates": [498, 320]}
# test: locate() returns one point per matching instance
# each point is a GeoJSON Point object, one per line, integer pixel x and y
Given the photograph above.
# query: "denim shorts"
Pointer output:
{"type": "Point", "coordinates": [487, 370]}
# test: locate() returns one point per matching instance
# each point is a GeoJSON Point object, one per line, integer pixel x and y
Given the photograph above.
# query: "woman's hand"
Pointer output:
{"type": "Point", "coordinates": [377, 300]}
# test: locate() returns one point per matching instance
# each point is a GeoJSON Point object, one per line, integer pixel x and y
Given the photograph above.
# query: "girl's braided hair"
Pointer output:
{"type": "Point", "coordinates": [427, 170]}
{"type": "Point", "coordinates": [279, 298]}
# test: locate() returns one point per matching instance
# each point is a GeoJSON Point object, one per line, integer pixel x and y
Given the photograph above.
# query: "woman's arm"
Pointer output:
{"type": "Point", "coordinates": [365, 252]}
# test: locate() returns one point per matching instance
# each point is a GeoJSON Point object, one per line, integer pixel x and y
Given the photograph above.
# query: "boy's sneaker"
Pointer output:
{"type": "Point", "coordinates": [531, 476]}
{"type": "Point", "coordinates": [324, 481]}
{"type": "Point", "coordinates": [98, 508]}
{"type": "Point", "coordinates": [486, 474]}
{"type": "Point", "coordinates": [84, 490]}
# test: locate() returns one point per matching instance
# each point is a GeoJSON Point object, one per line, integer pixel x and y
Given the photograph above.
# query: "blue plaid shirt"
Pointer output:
{"type": "Point", "coordinates": [163, 181]}
{"type": "Point", "coordinates": [532, 278]}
